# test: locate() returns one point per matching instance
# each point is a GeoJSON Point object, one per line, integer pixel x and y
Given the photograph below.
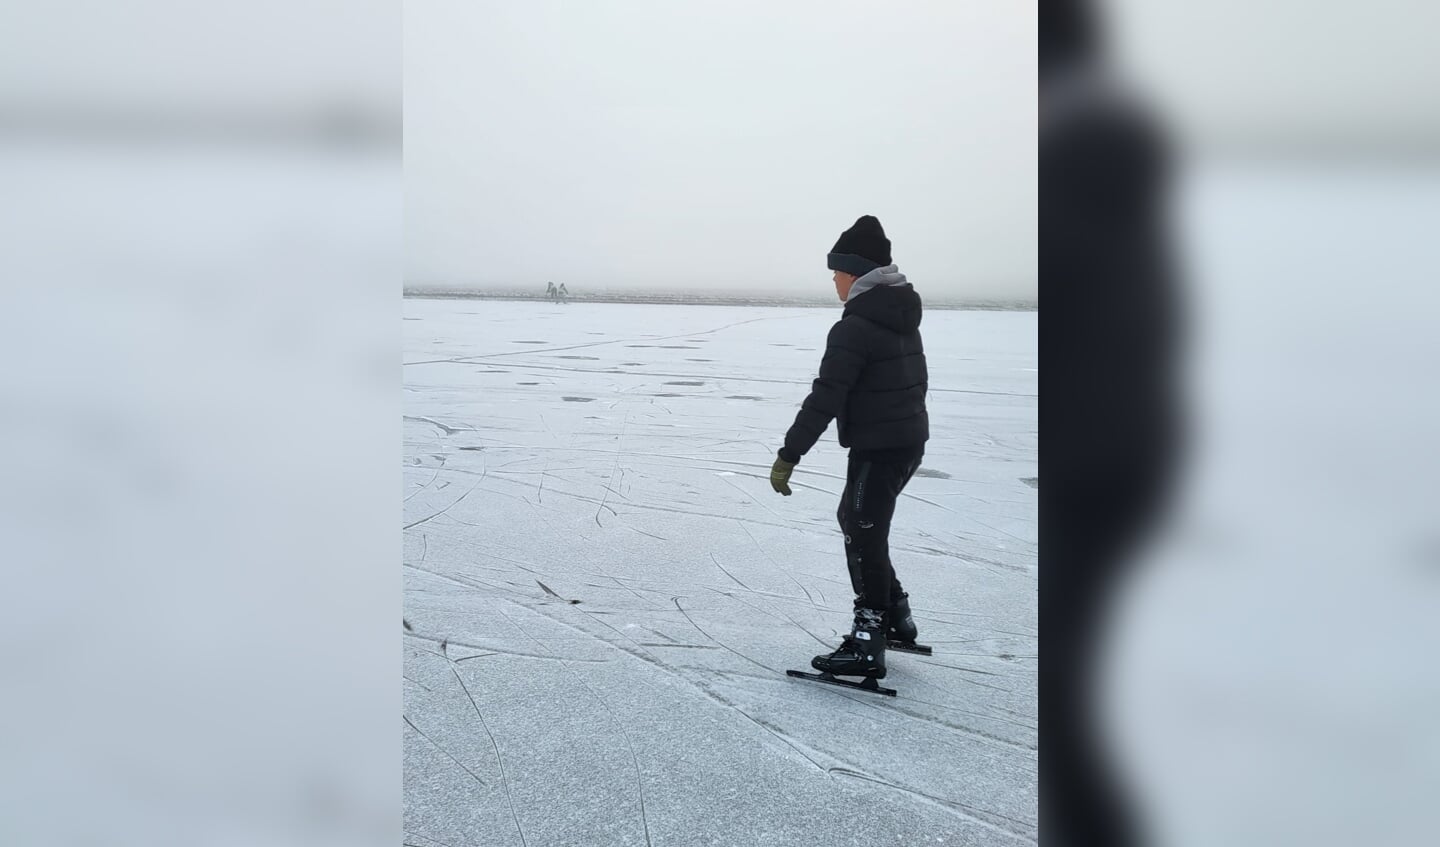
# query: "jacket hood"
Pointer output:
{"type": "Point", "coordinates": [887, 298]}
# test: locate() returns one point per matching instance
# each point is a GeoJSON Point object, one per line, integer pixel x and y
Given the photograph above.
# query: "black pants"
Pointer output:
{"type": "Point", "coordinates": [872, 485]}
{"type": "Point", "coordinates": [1086, 545]}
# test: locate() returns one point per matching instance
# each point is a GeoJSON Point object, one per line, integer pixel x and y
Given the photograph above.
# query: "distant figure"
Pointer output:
{"type": "Point", "coordinates": [1111, 422]}
{"type": "Point", "coordinates": [563, 294]}
{"type": "Point", "coordinates": [872, 382]}
{"type": "Point", "coordinates": [550, 293]}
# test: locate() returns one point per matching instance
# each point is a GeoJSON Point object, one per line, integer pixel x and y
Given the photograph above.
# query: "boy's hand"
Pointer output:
{"type": "Point", "coordinates": [780, 475]}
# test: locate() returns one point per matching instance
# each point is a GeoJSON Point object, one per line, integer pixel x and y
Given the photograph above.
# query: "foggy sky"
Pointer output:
{"type": "Point", "coordinates": [706, 145]}
{"type": "Point", "coordinates": [1240, 75]}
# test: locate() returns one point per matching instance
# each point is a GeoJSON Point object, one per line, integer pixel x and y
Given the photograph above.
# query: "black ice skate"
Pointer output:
{"type": "Point", "coordinates": [900, 629]}
{"type": "Point", "coordinates": [861, 654]}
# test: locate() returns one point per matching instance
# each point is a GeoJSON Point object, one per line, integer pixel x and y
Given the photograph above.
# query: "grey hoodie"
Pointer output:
{"type": "Point", "coordinates": [888, 275]}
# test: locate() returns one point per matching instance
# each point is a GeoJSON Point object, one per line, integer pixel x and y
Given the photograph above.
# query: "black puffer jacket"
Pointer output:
{"type": "Point", "coordinates": [872, 379]}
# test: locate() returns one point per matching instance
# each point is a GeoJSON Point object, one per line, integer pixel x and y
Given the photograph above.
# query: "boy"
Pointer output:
{"type": "Point", "coordinates": [872, 382]}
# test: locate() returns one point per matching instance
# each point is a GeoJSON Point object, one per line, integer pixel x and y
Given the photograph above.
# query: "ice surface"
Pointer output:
{"type": "Point", "coordinates": [602, 593]}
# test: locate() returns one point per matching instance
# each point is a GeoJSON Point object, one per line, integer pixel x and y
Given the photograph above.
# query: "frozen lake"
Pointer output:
{"type": "Point", "coordinates": [603, 593]}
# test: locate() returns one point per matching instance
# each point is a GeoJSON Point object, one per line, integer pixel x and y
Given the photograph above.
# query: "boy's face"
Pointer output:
{"type": "Point", "coordinates": [843, 281]}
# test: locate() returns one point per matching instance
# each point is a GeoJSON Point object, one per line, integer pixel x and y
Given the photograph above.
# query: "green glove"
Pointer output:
{"type": "Point", "coordinates": [780, 475]}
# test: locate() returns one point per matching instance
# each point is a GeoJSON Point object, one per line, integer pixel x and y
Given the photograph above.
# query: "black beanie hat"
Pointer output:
{"type": "Point", "coordinates": [861, 249]}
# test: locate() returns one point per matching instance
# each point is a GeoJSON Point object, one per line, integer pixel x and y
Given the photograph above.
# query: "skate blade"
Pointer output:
{"type": "Point", "coordinates": [910, 647]}
{"type": "Point", "coordinates": [868, 685]}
